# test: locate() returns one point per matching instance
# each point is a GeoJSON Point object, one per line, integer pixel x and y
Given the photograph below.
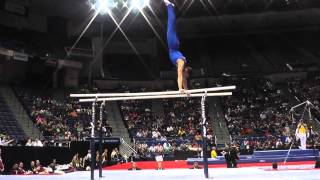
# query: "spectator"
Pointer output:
{"type": "Point", "coordinates": [33, 168]}
{"type": "Point", "coordinates": [80, 166]}
{"type": "Point", "coordinates": [181, 132]}
{"type": "Point", "coordinates": [40, 169]}
{"type": "Point", "coordinates": [21, 169]}
{"type": "Point", "coordinates": [53, 165]}
{"type": "Point", "coordinates": [38, 143]}
{"type": "Point", "coordinates": [15, 169]}
{"type": "Point", "coordinates": [152, 148]}
{"type": "Point", "coordinates": [97, 158]}
{"type": "Point", "coordinates": [105, 157]}
{"type": "Point", "coordinates": [1, 163]}
{"type": "Point", "coordinates": [134, 167]}
{"type": "Point", "coordinates": [75, 162]}
{"type": "Point", "coordinates": [114, 153]}
{"type": "Point", "coordinates": [87, 161]}
{"type": "Point", "coordinates": [167, 146]}
{"type": "Point", "coordinates": [158, 149]}
{"type": "Point", "coordinates": [29, 142]}
{"type": "Point", "coordinates": [214, 153]}
{"type": "Point", "coordinates": [195, 165]}
{"type": "Point", "coordinates": [6, 141]}
{"type": "Point", "coordinates": [116, 156]}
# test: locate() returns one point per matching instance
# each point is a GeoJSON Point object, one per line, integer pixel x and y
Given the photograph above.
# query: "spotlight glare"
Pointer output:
{"type": "Point", "coordinates": [138, 4]}
{"type": "Point", "coordinates": [103, 6]}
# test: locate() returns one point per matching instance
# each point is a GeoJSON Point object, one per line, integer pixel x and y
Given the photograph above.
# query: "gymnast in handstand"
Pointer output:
{"type": "Point", "coordinates": [175, 55]}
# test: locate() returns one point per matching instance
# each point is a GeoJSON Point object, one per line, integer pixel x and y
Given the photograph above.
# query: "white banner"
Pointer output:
{"type": "Point", "coordinates": [6, 52]}
{"type": "Point", "coordinates": [20, 56]}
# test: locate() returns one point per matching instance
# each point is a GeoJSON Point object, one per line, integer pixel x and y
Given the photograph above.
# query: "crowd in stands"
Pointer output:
{"type": "Point", "coordinates": [34, 142]}
{"type": "Point", "coordinates": [65, 120]}
{"type": "Point", "coordinates": [179, 129]}
{"type": "Point", "coordinates": [306, 89]}
{"type": "Point", "coordinates": [259, 115]}
{"type": "Point", "coordinates": [138, 116]}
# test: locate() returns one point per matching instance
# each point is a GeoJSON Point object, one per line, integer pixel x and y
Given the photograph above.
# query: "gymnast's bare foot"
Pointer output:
{"type": "Point", "coordinates": [184, 91]}
{"type": "Point", "coordinates": [167, 2]}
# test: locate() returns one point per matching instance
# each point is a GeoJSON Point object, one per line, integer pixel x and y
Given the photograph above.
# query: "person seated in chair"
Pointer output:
{"type": "Point", "coordinates": [134, 167]}
{"type": "Point", "coordinates": [21, 169]}
{"type": "Point", "coordinates": [195, 165]}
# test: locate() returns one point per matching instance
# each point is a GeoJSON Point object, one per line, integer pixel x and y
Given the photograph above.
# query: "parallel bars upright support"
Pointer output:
{"type": "Point", "coordinates": [204, 133]}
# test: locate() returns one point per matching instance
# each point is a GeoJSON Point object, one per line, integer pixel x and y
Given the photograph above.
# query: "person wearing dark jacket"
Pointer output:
{"type": "Point", "coordinates": [15, 170]}
{"type": "Point", "coordinates": [231, 155]}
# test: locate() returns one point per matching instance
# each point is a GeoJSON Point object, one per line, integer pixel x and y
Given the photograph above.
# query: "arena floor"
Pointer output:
{"type": "Point", "coordinates": [254, 173]}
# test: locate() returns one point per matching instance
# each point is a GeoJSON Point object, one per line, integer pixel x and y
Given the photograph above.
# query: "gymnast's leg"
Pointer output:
{"type": "Point", "coordinates": [172, 38]}
{"type": "Point", "coordinates": [173, 43]}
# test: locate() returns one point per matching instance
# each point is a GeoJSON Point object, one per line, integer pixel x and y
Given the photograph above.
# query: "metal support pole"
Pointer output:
{"type": "Point", "coordinates": [92, 141]}
{"type": "Point", "coordinates": [306, 102]}
{"type": "Point", "coordinates": [310, 115]}
{"type": "Point", "coordinates": [100, 138]}
{"type": "Point", "coordinates": [204, 132]}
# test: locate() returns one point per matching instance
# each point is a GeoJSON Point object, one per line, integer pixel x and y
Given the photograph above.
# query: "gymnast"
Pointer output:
{"type": "Point", "coordinates": [175, 55]}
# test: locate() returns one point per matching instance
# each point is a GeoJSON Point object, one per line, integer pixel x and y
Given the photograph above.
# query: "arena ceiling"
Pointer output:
{"type": "Point", "coordinates": [79, 9]}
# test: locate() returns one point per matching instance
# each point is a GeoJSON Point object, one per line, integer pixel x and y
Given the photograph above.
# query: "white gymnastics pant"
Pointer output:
{"type": "Point", "coordinates": [303, 140]}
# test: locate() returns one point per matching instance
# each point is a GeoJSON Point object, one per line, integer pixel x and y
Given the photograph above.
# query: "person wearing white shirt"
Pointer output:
{"type": "Point", "coordinates": [29, 142]}
{"type": "Point", "coordinates": [139, 134]}
{"type": "Point", "coordinates": [33, 143]}
{"type": "Point", "coordinates": [169, 128]}
{"type": "Point", "coordinates": [167, 146]}
{"type": "Point", "coordinates": [152, 148]}
{"type": "Point", "coordinates": [39, 143]}
{"type": "Point", "coordinates": [155, 134]}
{"type": "Point", "coordinates": [2, 142]}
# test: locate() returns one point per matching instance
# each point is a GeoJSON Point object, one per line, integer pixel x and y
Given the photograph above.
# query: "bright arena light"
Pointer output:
{"type": "Point", "coordinates": [138, 4]}
{"type": "Point", "coordinates": [103, 6]}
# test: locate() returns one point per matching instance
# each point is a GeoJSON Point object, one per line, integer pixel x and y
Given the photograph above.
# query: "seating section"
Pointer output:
{"type": "Point", "coordinates": [63, 119]}
{"type": "Point", "coordinates": [259, 117]}
{"type": "Point", "coordinates": [178, 129]}
{"type": "Point", "coordinates": [184, 115]}
{"type": "Point", "coordinates": [8, 124]}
